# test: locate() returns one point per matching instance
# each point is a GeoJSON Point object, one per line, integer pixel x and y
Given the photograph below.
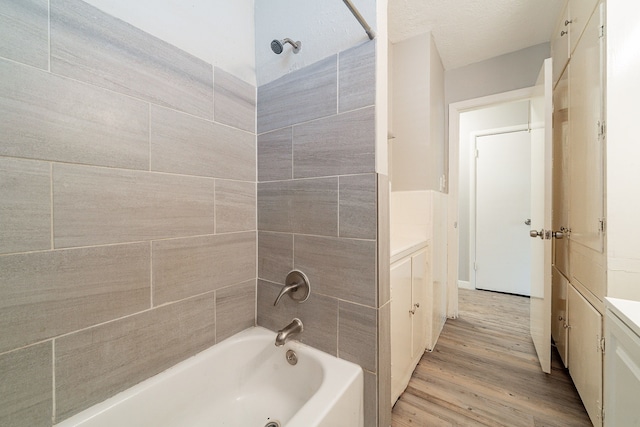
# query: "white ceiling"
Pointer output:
{"type": "Point", "coordinates": [468, 31]}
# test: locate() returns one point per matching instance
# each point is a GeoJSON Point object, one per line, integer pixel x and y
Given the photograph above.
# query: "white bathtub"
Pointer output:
{"type": "Point", "coordinates": [245, 381]}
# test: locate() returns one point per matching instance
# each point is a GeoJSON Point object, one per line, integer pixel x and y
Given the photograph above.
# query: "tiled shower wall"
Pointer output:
{"type": "Point", "coordinates": [127, 207]}
{"type": "Point", "coordinates": [318, 213]}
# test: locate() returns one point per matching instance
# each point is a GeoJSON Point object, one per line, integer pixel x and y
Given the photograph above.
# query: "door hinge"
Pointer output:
{"type": "Point", "coordinates": [476, 153]}
{"type": "Point", "coordinates": [475, 266]}
{"type": "Point", "coordinates": [602, 129]}
{"type": "Point", "coordinates": [602, 224]}
{"type": "Point", "coordinates": [601, 34]}
{"type": "Point", "coordinates": [602, 345]}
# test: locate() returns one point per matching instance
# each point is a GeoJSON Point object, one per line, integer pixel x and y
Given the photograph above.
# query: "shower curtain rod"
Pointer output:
{"type": "Point", "coordinates": [367, 28]}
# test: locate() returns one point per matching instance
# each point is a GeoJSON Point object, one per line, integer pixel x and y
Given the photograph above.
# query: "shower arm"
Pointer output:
{"type": "Point", "coordinates": [361, 20]}
{"type": "Point", "coordinates": [291, 42]}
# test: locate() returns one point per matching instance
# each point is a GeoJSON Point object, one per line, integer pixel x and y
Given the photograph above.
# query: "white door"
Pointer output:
{"type": "Point", "coordinates": [503, 187]}
{"type": "Point", "coordinates": [541, 188]}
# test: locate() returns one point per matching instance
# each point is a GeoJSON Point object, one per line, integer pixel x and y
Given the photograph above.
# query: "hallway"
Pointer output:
{"type": "Point", "coordinates": [484, 372]}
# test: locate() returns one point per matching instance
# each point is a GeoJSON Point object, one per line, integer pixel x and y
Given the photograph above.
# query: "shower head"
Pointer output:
{"type": "Point", "coordinates": [277, 46]}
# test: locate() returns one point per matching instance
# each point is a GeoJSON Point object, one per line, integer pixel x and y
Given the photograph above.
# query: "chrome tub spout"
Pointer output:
{"type": "Point", "coordinates": [286, 333]}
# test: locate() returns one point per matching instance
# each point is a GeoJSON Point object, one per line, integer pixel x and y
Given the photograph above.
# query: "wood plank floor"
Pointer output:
{"type": "Point", "coordinates": [484, 372]}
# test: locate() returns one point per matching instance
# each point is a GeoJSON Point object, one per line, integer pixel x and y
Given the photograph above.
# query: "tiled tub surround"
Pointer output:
{"type": "Point", "coordinates": [127, 207]}
{"type": "Point", "coordinates": [318, 212]}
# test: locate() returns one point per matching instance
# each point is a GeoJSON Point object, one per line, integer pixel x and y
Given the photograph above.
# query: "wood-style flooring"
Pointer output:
{"type": "Point", "coordinates": [484, 372]}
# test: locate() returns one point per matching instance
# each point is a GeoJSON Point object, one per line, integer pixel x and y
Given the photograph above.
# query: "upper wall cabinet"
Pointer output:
{"type": "Point", "coordinates": [560, 44]}
{"type": "Point", "coordinates": [579, 13]}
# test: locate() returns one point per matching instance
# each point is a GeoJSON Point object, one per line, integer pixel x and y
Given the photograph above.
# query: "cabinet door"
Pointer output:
{"type": "Point", "coordinates": [560, 44]}
{"type": "Point", "coordinates": [587, 160]}
{"type": "Point", "coordinates": [579, 13]}
{"type": "Point", "coordinates": [559, 319]}
{"type": "Point", "coordinates": [585, 353]}
{"type": "Point", "coordinates": [622, 373]}
{"type": "Point", "coordinates": [420, 302]}
{"type": "Point", "coordinates": [400, 325]}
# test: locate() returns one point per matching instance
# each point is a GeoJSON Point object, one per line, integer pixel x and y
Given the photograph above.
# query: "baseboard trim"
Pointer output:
{"type": "Point", "coordinates": [464, 284]}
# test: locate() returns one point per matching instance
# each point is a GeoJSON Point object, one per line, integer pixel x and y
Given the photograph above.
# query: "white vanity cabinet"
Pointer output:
{"type": "Point", "coordinates": [622, 363]}
{"type": "Point", "coordinates": [410, 315]}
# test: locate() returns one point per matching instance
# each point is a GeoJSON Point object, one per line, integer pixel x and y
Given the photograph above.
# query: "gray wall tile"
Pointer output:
{"type": "Point", "coordinates": [99, 362]}
{"type": "Point", "coordinates": [92, 46]}
{"type": "Point", "coordinates": [234, 101]}
{"type": "Point", "coordinates": [275, 154]}
{"type": "Point", "coordinates": [235, 309]}
{"type": "Point", "coordinates": [26, 379]}
{"type": "Point", "coordinates": [300, 96]}
{"type": "Point", "coordinates": [319, 316]}
{"type": "Point", "coordinates": [25, 205]}
{"type": "Point", "coordinates": [384, 241]}
{"type": "Point", "coordinates": [184, 144]}
{"type": "Point", "coordinates": [370, 400]}
{"type": "Point", "coordinates": [357, 71]}
{"type": "Point", "coordinates": [307, 206]}
{"type": "Point", "coordinates": [357, 335]}
{"type": "Point", "coordinates": [43, 116]}
{"type": "Point", "coordinates": [45, 294]}
{"type": "Point", "coordinates": [384, 365]}
{"type": "Point", "coordinates": [95, 206]}
{"type": "Point", "coordinates": [341, 268]}
{"type": "Point", "coordinates": [191, 266]}
{"type": "Point", "coordinates": [275, 256]}
{"type": "Point", "coordinates": [358, 206]}
{"type": "Point", "coordinates": [235, 206]}
{"type": "Point", "coordinates": [24, 32]}
{"type": "Point", "coordinates": [337, 145]}
{"type": "Point", "coordinates": [270, 316]}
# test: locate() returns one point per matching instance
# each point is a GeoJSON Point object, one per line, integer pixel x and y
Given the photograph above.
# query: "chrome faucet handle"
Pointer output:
{"type": "Point", "coordinates": [297, 286]}
{"type": "Point", "coordinates": [285, 290]}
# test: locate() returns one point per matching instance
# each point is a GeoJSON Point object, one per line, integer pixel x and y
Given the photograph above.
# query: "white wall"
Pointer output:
{"type": "Point", "coordinates": [503, 73]}
{"type": "Point", "coordinates": [323, 27]}
{"type": "Point", "coordinates": [471, 122]}
{"type": "Point", "coordinates": [418, 149]}
{"type": "Point", "coordinates": [220, 32]}
{"type": "Point", "coordinates": [623, 150]}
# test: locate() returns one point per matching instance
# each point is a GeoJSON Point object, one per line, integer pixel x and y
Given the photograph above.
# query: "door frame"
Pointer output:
{"type": "Point", "coordinates": [455, 109]}
{"type": "Point", "coordinates": [472, 193]}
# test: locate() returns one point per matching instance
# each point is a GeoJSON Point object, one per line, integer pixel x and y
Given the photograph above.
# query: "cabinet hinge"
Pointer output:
{"type": "Point", "coordinates": [602, 224]}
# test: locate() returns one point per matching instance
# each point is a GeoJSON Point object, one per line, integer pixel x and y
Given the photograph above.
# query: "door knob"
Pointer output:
{"type": "Point", "coordinates": [558, 234]}
{"type": "Point", "coordinates": [536, 233]}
